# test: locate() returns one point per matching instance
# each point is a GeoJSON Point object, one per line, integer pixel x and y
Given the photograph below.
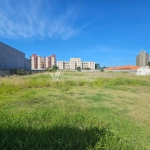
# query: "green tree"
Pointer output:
{"type": "Point", "coordinates": [102, 70]}
{"type": "Point", "coordinates": [54, 68]}
{"type": "Point", "coordinates": [148, 64]}
{"type": "Point", "coordinates": [78, 68]}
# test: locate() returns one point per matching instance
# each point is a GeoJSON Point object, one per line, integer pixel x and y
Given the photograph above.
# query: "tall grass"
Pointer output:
{"type": "Point", "coordinates": [118, 82]}
{"type": "Point", "coordinates": [16, 83]}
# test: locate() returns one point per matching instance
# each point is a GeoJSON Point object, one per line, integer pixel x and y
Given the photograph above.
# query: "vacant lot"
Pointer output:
{"type": "Point", "coordinates": [108, 111]}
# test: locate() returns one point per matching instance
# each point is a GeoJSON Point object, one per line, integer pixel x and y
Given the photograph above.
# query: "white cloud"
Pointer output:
{"type": "Point", "coordinates": [30, 18]}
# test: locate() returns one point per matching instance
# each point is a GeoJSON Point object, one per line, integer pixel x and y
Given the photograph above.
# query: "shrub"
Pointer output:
{"type": "Point", "coordinates": [53, 69]}
{"type": "Point", "coordinates": [18, 72]}
{"type": "Point", "coordinates": [78, 68]}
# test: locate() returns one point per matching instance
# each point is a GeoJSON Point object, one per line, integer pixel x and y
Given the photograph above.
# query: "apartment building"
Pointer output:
{"type": "Point", "coordinates": [142, 59]}
{"type": "Point", "coordinates": [11, 58]}
{"type": "Point", "coordinates": [49, 61]}
{"type": "Point", "coordinates": [38, 62]}
{"type": "Point", "coordinates": [90, 65]}
{"type": "Point", "coordinates": [74, 63]}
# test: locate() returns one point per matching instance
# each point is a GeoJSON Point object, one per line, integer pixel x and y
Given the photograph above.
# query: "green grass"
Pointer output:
{"type": "Point", "coordinates": [11, 84]}
{"type": "Point", "coordinates": [94, 114]}
{"type": "Point", "coordinates": [42, 123]}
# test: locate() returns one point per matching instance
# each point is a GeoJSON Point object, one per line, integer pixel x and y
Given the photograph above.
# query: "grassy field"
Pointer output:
{"type": "Point", "coordinates": [93, 111]}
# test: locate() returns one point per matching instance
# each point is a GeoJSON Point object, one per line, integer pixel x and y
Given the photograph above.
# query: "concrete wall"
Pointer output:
{"type": "Point", "coordinates": [11, 58]}
{"type": "Point", "coordinates": [27, 64]}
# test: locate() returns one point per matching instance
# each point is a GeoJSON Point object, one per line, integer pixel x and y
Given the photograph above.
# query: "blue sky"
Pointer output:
{"type": "Point", "coordinates": [109, 32]}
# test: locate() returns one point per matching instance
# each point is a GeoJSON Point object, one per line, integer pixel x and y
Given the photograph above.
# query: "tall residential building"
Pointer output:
{"type": "Point", "coordinates": [49, 61]}
{"type": "Point", "coordinates": [11, 58]}
{"type": "Point", "coordinates": [74, 63]}
{"type": "Point", "coordinates": [38, 62]}
{"type": "Point", "coordinates": [142, 59]}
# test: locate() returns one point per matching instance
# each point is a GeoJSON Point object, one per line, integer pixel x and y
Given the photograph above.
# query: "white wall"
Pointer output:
{"type": "Point", "coordinates": [143, 71]}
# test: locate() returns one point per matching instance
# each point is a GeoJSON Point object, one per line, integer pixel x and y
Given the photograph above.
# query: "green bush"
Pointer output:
{"type": "Point", "coordinates": [78, 68]}
{"type": "Point", "coordinates": [18, 72]}
{"type": "Point", "coordinates": [53, 69]}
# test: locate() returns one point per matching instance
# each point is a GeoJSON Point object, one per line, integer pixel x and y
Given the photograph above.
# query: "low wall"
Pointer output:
{"type": "Point", "coordinates": [4, 73]}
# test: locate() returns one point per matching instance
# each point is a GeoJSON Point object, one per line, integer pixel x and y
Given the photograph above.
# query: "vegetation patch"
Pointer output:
{"type": "Point", "coordinates": [100, 97]}
{"type": "Point", "coordinates": [88, 113]}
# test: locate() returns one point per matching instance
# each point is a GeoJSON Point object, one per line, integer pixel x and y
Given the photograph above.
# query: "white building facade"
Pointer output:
{"type": "Point", "coordinates": [74, 63]}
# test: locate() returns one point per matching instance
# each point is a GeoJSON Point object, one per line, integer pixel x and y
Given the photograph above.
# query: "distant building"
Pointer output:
{"type": "Point", "coordinates": [11, 58]}
{"type": "Point", "coordinates": [74, 63]}
{"type": "Point", "coordinates": [122, 68]}
{"type": "Point", "coordinates": [38, 62]}
{"type": "Point", "coordinates": [142, 59]}
{"type": "Point", "coordinates": [49, 61]}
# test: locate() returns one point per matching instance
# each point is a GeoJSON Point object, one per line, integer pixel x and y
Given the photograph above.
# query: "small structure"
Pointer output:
{"type": "Point", "coordinates": [143, 71]}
